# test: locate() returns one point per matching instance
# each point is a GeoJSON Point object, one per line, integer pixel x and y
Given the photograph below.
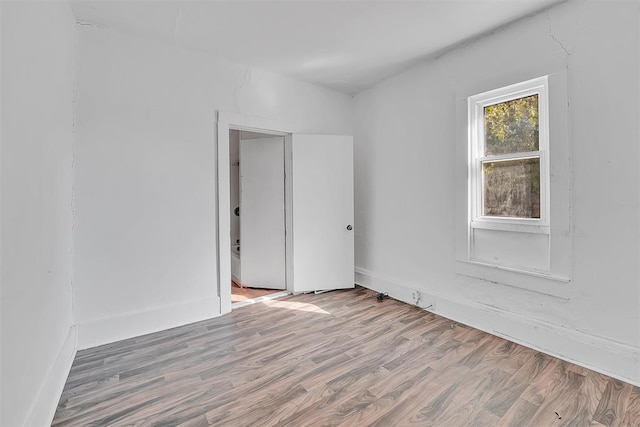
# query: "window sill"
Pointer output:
{"type": "Point", "coordinates": [510, 226]}
{"type": "Point", "coordinates": [534, 281]}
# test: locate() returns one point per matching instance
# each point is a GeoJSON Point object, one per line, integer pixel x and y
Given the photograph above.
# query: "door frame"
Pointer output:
{"type": "Point", "coordinates": [226, 121]}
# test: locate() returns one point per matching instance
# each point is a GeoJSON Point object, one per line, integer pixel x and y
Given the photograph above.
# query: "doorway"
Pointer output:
{"type": "Point", "coordinates": [257, 214]}
{"type": "Point", "coordinates": [319, 243]}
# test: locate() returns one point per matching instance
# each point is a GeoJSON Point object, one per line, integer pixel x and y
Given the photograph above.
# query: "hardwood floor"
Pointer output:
{"type": "Point", "coordinates": [239, 294]}
{"type": "Point", "coordinates": [339, 358]}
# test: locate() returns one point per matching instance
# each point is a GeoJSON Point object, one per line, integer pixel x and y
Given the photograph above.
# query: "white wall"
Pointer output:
{"type": "Point", "coordinates": [411, 148]}
{"type": "Point", "coordinates": [37, 338]}
{"type": "Point", "coordinates": [145, 175]}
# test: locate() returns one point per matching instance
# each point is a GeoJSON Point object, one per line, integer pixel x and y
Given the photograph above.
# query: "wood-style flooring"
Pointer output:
{"type": "Point", "coordinates": [339, 358]}
{"type": "Point", "coordinates": [239, 294]}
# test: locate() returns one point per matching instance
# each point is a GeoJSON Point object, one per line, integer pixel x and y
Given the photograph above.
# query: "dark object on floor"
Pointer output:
{"type": "Point", "coordinates": [382, 296]}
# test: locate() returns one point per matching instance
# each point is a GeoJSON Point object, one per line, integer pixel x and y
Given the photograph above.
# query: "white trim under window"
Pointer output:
{"type": "Point", "coordinates": [478, 157]}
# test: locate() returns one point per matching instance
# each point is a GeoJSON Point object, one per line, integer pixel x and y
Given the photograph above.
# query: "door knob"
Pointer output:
{"type": "Point", "coordinates": [349, 227]}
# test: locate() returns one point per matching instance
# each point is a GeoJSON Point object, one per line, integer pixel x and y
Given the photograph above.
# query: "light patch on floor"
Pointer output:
{"type": "Point", "coordinates": [265, 299]}
{"type": "Point", "coordinates": [300, 306]}
{"type": "Point", "coordinates": [239, 293]}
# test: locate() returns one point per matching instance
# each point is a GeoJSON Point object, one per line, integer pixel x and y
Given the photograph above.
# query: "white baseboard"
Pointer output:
{"type": "Point", "coordinates": [599, 354]}
{"type": "Point", "coordinates": [129, 325]}
{"type": "Point", "coordinates": [44, 407]}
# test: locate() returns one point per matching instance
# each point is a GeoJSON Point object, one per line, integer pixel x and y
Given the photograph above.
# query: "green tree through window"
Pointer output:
{"type": "Point", "coordinates": [512, 126]}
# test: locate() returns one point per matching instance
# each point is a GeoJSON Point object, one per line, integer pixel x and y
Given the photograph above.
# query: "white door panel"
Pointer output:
{"type": "Point", "coordinates": [322, 212]}
{"type": "Point", "coordinates": [262, 232]}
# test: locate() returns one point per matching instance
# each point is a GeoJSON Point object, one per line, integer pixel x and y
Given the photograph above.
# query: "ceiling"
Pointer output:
{"type": "Point", "coordinates": [344, 45]}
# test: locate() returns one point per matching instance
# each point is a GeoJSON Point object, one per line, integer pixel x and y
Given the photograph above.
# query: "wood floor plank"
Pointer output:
{"type": "Point", "coordinates": [632, 416]}
{"type": "Point", "coordinates": [613, 403]}
{"type": "Point", "coordinates": [384, 398]}
{"type": "Point", "coordinates": [336, 358]}
{"type": "Point", "coordinates": [471, 393]}
{"type": "Point", "coordinates": [506, 396]}
{"type": "Point", "coordinates": [565, 400]}
{"type": "Point", "coordinates": [519, 414]}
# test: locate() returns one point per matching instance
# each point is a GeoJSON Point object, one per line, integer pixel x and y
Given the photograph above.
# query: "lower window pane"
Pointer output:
{"type": "Point", "coordinates": [511, 188]}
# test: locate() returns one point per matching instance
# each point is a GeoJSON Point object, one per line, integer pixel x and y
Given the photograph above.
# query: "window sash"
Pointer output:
{"type": "Point", "coordinates": [506, 158]}
{"type": "Point", "coordinates": [477, 183]}
{"type": "Point", "coordinates": [477, 104]}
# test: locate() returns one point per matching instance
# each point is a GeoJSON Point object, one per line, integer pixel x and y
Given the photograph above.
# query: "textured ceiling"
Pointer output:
{"type": "Point", "coordinates": [344, 45]}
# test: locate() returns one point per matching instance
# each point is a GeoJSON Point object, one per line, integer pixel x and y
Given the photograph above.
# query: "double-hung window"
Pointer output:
{"type": "Point", "coordinates": [509, 149]}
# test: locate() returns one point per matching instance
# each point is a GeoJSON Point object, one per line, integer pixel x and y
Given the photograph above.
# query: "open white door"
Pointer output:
{"type": "Point", "coordinates": [262, 235]}
{"type": "Point", "coordinates": [320, 210]}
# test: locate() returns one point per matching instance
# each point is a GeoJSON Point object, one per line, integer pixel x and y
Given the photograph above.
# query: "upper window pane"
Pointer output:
{"type": "Point", "coordinates": [511, 126]}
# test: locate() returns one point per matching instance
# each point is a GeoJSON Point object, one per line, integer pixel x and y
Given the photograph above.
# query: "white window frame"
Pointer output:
{"type": "Point", "coordinates": [476, 103]}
